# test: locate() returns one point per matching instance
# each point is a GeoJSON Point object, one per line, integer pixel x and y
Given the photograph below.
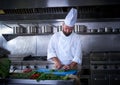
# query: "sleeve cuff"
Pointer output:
{"type": "Point", "coordinates": [49, 56]}
{"type": "Point", "coordinates": [79, 61]}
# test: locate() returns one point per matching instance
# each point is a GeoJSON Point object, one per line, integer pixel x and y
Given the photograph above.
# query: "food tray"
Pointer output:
{"type": "Point", "coordinates": [58, 72]}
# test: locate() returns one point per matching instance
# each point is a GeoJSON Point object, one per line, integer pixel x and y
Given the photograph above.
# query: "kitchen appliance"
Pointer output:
{"type": "Point", "coordinates": [105, 68]}
{"type": "Point", "coordinates": [34, 63]}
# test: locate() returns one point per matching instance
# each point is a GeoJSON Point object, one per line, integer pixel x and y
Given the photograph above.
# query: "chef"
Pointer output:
{"type": "Point", "coordinates": [64, 47]}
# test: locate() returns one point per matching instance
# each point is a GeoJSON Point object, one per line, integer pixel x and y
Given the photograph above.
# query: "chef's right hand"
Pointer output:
{"type": "Point", "coordinates": [58, 65]}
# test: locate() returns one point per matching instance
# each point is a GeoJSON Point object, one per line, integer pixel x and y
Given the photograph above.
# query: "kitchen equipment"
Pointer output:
{"type": "Point", "coordinates": [33, 62]}
{"type": "Point", "coordinates": [38, 63]}
{"type": "Point", "coordinates": [117, 30]}
{"type": "Point", "coordinates": [19, 30]}
{"type": "Point", "coordinates": [94, 30]}
{"type": "Point", "coordinates": [105, 68]}
{"type": "Point", "coordinates": [108, 29]}
{"type": "Point", "coordinates": [80, 28]}
{"type": "Point", "coordinates": [88, 30]}
{"type": "Point", "coordinates": [42, 82]}
{"type": "Point", "coordinates": [101, 30]}
{"type": "Point", "coordinates": [30, 57]}
{"type": "Point", "coordinates": [34, 29]}
{"type": "Point", "coordinates": [14, 30]}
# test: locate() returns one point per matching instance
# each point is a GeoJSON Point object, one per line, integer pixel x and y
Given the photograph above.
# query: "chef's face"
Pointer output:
{"type": "Point", "coordinates": [67, 30]}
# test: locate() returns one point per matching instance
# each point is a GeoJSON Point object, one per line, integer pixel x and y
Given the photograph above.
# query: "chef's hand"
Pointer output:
{"type": "Point", "coordinates": [58, 65]}
{"type": "Point", "coordinates": [66, 67]}
{"type": "Point", "coordinates": [57, 62]}
{"type": "Point", "coordinates": [72, 65]}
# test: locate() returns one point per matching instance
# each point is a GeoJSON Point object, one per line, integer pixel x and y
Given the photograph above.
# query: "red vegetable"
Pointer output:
{"type": "Point", "coordinates": [34, 76]}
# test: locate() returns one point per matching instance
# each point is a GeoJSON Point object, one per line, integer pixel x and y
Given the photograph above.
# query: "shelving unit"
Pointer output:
{"type": "Point", "coordinates": [94, 33]}
{"type": "Point", "coordinates": [11, 36]}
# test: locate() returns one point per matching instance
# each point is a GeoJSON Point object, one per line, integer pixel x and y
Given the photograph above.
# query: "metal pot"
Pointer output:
{"type": "Point", "coordinates": [18, 30]}
{"type": "Point", "coordinates": [116, 30]}
{"type": "Point", "coordinates": [14, 30]}
{"type": "Point", "coordinates": [94, 30]}
{"type": "Point", "coordinates": [108, 29]}
{"type": "Point", "coordinates": [82, 28]}
{"type": "Point", "coordinates": [47, 29]}
{"type": "Point", "coordinates": [32, 30]}
{"type": "Point", "coordinates": [39, 30]}
{"type": "Point", "coordinates": [101, 30]}
{"type": "Point", "coordinates": [43, 29]}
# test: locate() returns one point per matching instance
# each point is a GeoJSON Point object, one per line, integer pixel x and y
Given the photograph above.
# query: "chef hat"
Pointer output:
{"type": "Point", "coordinates": [71, 18]}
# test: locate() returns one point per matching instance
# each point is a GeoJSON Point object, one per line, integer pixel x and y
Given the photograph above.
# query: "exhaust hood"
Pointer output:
{"type": "Point", "coordinates": [18, 4]}
{"type": "Point", "coordinates": [57, 9]}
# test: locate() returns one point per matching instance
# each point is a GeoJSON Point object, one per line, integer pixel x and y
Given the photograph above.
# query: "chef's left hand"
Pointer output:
{"type": "Point", "coordinates": [66, 67]}
{"type": "Point", "coordinates": [70, 66]}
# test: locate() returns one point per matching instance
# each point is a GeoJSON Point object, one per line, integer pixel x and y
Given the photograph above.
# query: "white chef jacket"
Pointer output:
{"type": "Point", "coordinates": [66, 48]}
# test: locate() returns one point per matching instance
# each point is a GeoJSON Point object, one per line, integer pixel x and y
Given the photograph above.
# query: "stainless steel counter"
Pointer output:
{"type": "Point", "coordinates": [41, 82]}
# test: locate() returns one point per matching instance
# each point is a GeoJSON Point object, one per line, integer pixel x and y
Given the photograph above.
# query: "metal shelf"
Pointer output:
{"type": "Point", "coordinates": [12, 36]}
{"type": "Point", "coordinates": [94, 33]}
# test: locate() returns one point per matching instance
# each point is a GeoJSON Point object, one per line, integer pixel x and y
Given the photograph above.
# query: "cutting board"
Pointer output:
{"type": "Point", "coordinates": [58, 72]}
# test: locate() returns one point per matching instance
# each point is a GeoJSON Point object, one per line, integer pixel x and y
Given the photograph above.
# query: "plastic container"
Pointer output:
{"type": "Point", "coordinates": [58, 72]}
